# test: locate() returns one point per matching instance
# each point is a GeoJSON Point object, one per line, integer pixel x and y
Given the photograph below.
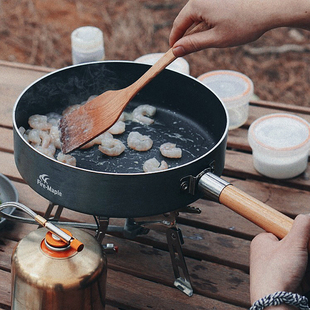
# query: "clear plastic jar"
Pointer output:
{"type": "Point", "coordinates": [280, 144]}
{"type": "Point", "coordinates": [234, 89]}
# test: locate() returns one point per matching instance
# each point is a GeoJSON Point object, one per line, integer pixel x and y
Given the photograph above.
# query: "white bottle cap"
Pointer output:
{"type": "Point", "coordinates": [87, 44]}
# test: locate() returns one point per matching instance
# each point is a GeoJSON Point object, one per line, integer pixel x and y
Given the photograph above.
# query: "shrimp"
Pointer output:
{"type": "Point", "coordinates": [24, 133]}
{"type": "Point", "coordinates": [125, 117]}
{"type": "Point", "coordinates": [33, 136]}
{"type": "Point", "coordinates": [70, 109]}
{"type": "Point", "coordinates": [112, 147]}
{"type": "Point", "coordinates": [48, 151]}
{"type": "Point", "coordinates": [73, 107]}
{"type": "Point", "coordinates": [66, 159]}
{"type": "Point", "coordinates": [138, 142]}
{"type": "Point", "coordinates": [170, 150]}
{"type": "Point", "coordinates": [53, 118]}
{"type": "Point", "coordinates": [39, 137]}
{"type": "Point", "coordinates": [22, 130]}
{"type": "Point", "coordinates": [97, 140]}
{"type": "Point", "coordinates": [154, 165]}
{"type": "Point", "coordinates": [118, 128]}
{"type": "Point", "coordinates": [45, 138]}
{"type": "Point", "coordinates": [55, 136]}
{"type": "Point", "coordinates": [38, 121]}
{"type": "Point", "coordinates": [142, 114]}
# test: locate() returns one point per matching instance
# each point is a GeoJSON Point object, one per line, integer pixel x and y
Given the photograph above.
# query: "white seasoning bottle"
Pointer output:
{"type": "Point", "coordinates": [87, 44]}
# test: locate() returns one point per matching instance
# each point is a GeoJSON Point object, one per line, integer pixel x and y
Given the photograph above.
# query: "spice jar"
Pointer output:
{"type": "Point", "coordinates": [87, 45]}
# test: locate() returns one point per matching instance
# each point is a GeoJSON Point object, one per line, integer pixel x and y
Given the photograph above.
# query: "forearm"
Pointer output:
{"type": "Point", "coordinates": [282, 13]}
{"type": "Point", "coordinates": [231, 23]}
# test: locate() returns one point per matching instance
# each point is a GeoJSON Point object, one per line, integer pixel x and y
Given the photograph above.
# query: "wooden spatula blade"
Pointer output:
{"type": "Point", "coordinates": [90, 120]}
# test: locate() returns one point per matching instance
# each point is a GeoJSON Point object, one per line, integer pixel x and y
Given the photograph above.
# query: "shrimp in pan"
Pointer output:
{"type": "Point", "coordinates": [111, 147]}
{"type": "Point", "coordinates": [142, 114]}
{"type": "Point", "coordinates": [170, 150]}
{"type": "Point", "coordinates": [39, 137]}
{"type": "Point", "coordinates": [66, 159]}
{"type": "Point", "coordinates": [138, 142]}
{"type": "Point", "coordinates": [40, 122]}
{"type": "Point", "coordinates": [154, 165]}
{"type": "Point", "coordinates": [48, 151]}
{"type": "Point", "coordinates": [97, 140]}
{"type": "Point", "coordinates": [55, 136]}
{"type": "Point", "coordinates": [53, 118]}
{"type": "Point", "coordinates": [71, 108]}
{"type": "Point", "coordinates": [118, 128]}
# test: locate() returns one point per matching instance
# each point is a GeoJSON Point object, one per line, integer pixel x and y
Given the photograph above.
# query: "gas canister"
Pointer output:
{"type": "Point", "coordinates": [49, 274]}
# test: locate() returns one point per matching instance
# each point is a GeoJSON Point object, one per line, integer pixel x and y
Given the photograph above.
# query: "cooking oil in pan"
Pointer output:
{"type": "Point", "coordinates": [167, 127]}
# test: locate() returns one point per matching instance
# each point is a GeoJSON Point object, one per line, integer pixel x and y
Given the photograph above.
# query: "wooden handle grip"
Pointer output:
{"type": "Point", "coordinates": [256, 211]}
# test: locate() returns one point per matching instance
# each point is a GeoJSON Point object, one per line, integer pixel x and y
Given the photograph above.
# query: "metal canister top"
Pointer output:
{"type": "Point", "coordinates": [53, 246]}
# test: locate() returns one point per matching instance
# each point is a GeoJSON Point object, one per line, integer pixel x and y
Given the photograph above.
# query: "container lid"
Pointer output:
{"type": "Point", "coordinates": [179, 65]}
{"type": "Point", "coordinates": [87, 39]}
{"type": "Point", "coordinates": [230, 86]}
{"type": "Point", "coordinates": [280, 132]}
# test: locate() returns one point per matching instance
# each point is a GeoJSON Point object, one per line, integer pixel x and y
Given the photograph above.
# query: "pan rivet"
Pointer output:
{"type": "Point", "coordinates": [184, 186]}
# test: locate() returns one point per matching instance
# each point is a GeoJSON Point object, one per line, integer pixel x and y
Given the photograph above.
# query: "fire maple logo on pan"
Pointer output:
{"type": "Point", "coordinates": [44, 178]}
{"type": "Point", "coordinates": [42, 181]}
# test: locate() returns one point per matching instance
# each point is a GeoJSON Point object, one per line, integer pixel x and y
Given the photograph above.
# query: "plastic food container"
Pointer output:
{"type": "Point", "coordinates": [280, 144]}
{"type": "Point", "coordinates": [234, 89]}
{"type": "Point", "coordinates": [87, 45]}
{"type": "Point", "coordinates": [179, 65]}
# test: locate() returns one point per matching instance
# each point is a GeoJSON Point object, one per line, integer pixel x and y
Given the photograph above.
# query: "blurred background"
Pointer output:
{"type": "Point", "coordinates": [37, 32]}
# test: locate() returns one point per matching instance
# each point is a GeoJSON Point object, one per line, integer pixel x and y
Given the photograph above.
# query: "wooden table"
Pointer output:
{"type": "Point", "coordinates": [216, 242]}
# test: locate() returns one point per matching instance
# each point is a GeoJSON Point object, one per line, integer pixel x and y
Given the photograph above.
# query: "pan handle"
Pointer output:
{"type": "Point", "coordinates": [252, 209]}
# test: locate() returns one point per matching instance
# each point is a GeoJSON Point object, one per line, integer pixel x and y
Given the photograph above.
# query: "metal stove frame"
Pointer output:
{"type": "Point", "coordinates": [133, 227]}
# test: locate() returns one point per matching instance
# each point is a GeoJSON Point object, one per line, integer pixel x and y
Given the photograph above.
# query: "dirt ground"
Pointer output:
{"type": "Point", "coordinates": [38, 32]}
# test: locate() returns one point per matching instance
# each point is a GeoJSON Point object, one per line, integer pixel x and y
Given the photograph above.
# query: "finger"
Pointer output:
{"type": "Point", "coordinates": [184, 21]}
{"type": "Point", "coordinates": [197, 42]}
{"type": "Point", "coordinates": [299, 234]}
{"type": "Point", "coordinates": [178, 30]}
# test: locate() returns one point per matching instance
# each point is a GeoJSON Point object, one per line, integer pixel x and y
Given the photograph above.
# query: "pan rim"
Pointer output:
{"type": "Point", "coordinates": [15, 128]}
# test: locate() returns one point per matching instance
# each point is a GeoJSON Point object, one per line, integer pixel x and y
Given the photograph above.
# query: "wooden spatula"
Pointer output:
{"type": "Point", "coordinates": [96, 116]}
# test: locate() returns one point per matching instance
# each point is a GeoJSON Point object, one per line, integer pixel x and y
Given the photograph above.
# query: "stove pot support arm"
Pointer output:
{"type": "Point", "coordinates": [252, 209]}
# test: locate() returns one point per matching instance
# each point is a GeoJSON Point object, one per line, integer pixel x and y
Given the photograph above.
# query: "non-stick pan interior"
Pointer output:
{"type": "Point", "coordinates": [188, 114]}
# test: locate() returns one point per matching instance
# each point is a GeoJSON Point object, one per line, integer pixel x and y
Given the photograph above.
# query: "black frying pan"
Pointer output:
{"type": "Point", "coordinates": [188, 114]}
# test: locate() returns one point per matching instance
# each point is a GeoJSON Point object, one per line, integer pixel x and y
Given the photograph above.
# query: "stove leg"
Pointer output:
{"type": "Point", "coordinates": [103, 223]}
{"type": "Point", "coordinates": [49, 210]}
{"type": "Point", "coordinates": [182, 279]}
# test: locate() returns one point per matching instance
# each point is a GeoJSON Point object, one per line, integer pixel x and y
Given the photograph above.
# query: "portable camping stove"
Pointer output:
{"type": "Point", "coordinates": [133, 227]}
